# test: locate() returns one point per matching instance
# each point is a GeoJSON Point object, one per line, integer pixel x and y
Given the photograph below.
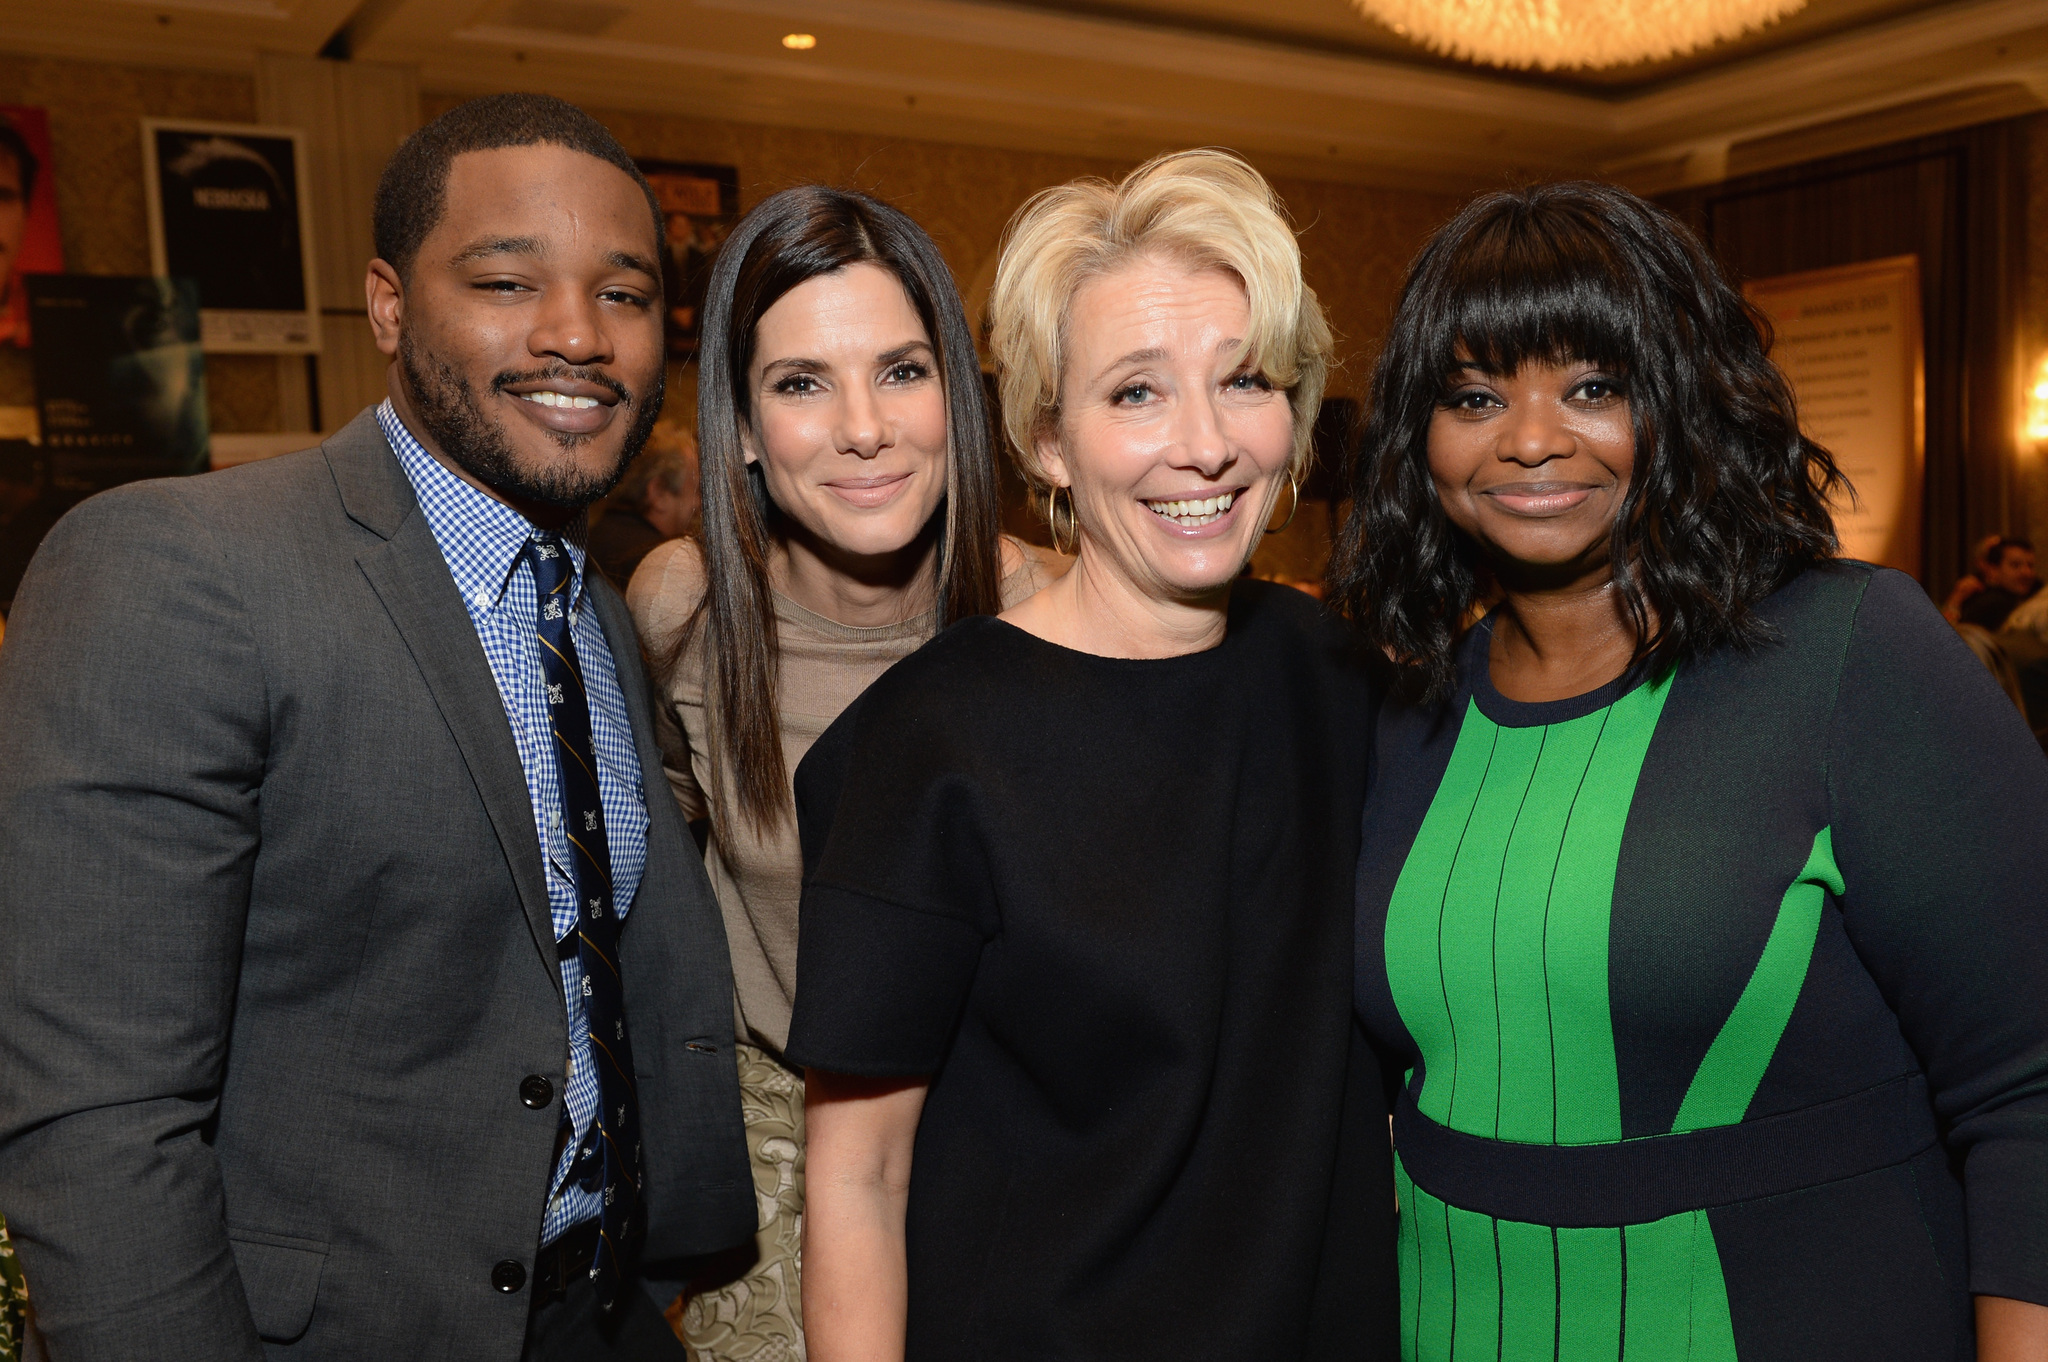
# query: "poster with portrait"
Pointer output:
{"type": "Point", "coordinates": [228, 210]}
{"type": "Point", "coordinates": [1848, 340]}
{"type": "Point", "coordinates": [29, 239]}
{"type": "Point", "coordinates": [700, 203]}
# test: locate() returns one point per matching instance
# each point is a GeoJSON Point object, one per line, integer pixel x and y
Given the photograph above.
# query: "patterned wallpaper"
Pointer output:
{"type": "Point", "coordinates": [1356, 240]}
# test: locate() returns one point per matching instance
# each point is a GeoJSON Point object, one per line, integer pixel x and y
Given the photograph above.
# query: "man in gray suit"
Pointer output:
{"type": "Point", "coordinates": [362, 994]}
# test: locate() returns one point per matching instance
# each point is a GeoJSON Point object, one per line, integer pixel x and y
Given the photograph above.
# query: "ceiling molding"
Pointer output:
{"type": "Point", "coordinates": [1459, 170]}
{"type": "Point", "coordinates": [1003, 73]}
{"type": "Point", "coordinates": [1902, 44]}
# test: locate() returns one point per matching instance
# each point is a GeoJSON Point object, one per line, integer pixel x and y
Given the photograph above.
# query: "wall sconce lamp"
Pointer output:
{"type": "Point", "coordinates": [2037, 404]}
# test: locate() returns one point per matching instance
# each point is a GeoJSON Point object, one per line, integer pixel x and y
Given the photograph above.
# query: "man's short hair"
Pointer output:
{"type": "Point", "coordinates": [1992, 552]}
{"type": "Point", "coordinates": [412, 193]}
{"type": "Point", "coordinates": [12, 143]}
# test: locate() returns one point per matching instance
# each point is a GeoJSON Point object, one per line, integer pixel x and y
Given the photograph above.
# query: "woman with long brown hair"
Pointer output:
{"type": "Point", "coordinates": [850, 512]}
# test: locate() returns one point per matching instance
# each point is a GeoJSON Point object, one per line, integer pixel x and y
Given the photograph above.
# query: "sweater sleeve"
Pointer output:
{"type": "Point", "coordinates": [1939, 807]}
{"type": "Point", "coordinates": [664, 591]}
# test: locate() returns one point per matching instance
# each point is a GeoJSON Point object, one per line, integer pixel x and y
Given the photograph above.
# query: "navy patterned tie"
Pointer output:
{"type": "Point", "coordinates": [611, 1150]}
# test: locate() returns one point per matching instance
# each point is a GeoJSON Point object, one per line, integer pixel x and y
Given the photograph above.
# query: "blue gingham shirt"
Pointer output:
{"type": "Point", "coordinates": [484, 542]}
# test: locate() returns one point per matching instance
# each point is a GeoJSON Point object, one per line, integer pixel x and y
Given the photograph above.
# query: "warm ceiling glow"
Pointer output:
{"type": "Point", "coordinates": [1564, 33]}
{"type": "Point", "coordinates": [2037, 404]}
{"type": "Point", "coordinates": [799, 42]}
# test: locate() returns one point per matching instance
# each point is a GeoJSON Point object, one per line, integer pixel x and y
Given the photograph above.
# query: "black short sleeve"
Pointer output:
{"type": "Point", "coordinates": [896, 893]}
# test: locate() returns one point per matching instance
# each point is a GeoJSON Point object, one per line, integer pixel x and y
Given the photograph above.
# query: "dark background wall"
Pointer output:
{"type": "Point", "coordinates": [1959, 201]}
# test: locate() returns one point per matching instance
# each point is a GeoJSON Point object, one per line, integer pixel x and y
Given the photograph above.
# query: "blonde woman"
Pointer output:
{"type": "Point", "coordinates": [1074, 984]}
{"type": "Point", "coordinates": [849, 511]}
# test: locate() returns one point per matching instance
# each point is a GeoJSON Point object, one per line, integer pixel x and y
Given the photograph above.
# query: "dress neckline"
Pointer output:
{"type": "Point", "coordinates": [1509, 713]}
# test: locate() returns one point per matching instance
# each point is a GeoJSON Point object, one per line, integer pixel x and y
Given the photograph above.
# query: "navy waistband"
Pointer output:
{"type": "Point", "coordinates": [1631, 1182]}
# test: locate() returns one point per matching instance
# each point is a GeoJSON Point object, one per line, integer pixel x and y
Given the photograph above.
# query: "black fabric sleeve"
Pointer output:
{"type": "Point", "coordinates": [130, 766]}
{"type": "Point", "coordinates": [1939, 807]}
{"type": "Point", "coordinates": [896, 906]}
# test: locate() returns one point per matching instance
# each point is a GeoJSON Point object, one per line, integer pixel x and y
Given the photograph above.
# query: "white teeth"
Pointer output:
{"type": "Point", "coordinates": [547, 398]}
{"type": "Point", "coordinates": [1190, 514]}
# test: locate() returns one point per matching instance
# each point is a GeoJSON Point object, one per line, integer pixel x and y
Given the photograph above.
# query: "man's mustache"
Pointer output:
{"type": "Point", "coordinates": [564, 372]}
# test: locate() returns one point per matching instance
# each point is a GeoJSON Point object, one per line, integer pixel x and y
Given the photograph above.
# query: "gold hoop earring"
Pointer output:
{"type": "Point", "coordinates": [1294, 486]}
{"type": "Point", "coordinates": [1052, 520]}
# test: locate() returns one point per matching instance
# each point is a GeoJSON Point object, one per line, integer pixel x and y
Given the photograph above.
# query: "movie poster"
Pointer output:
{"type": "Point", "coordinates": [29, 239]}
{"type": "Point", "coordinates": [120, 378]}
{"type": "Point", "coordinates": [700, 204]}
{"type": "Point", "coordinates": [227, 209]}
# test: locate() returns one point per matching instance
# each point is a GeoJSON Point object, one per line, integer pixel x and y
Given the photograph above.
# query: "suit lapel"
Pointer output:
{"type": "Point", "coordinates": [411, 579]}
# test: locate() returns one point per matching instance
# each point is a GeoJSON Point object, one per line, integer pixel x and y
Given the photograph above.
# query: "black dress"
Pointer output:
{"type": "Point", "coordinates": [1104, 903]}
{"type": "Point", "coordinates": [1707, 986]}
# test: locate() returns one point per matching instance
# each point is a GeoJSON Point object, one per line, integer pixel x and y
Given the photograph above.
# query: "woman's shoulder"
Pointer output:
{"type": "Point", "coordinates": [667, 587]}
{"type": "Point", "coordinates": [1028, 569]}
{"type": "Point", "coordinates": [1829, 603]}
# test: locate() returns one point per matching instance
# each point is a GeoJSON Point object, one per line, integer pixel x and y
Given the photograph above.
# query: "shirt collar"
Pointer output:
{"type": "Point", "coordinates": [482, 538]}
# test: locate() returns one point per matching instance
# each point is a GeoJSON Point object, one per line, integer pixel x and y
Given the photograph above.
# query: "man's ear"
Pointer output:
{"type": "Point", "coordinates": [385, 293]}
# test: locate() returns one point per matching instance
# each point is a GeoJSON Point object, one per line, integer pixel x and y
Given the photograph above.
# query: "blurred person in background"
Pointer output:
{"type": "Point", "coordinates": [655, 502]}
{"type": "Point", "coordinates": [849, 514]}
{"type": "Point", "coordinates": [2003, 576]}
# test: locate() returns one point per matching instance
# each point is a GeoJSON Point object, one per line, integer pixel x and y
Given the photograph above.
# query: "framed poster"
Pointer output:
{"type": "Point", "coordinates": [700, 203]}
{"type": "Point", "coordinates": [120, 380]}
{"type": "Point", "coordinates": [29, 240]}
{"type": "Point", "coordinates": [228, 210]}
{"type": "Point", "coordinates": [1848, 339]}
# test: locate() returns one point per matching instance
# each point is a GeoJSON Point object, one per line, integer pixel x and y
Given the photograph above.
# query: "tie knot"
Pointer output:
{"type": "Point", "coordinates": [550, 559]}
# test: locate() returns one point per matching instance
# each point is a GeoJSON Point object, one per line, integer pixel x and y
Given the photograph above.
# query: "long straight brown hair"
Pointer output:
{"type": "Point", "coordinates": [793, 236]}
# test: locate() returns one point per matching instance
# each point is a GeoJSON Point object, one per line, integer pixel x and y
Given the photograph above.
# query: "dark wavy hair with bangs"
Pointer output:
{"type": "Point", "coordinates": [1727, 502]}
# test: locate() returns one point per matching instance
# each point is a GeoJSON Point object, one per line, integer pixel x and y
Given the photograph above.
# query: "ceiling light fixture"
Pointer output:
{"type": "Point", "coordinates": [799, 42]}
{"type": "Point", "coordinates": [1558, 34]}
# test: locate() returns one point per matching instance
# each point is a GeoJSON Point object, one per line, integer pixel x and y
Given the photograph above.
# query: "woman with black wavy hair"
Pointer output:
{"type": "Point", "coordinates": [1719, 990]}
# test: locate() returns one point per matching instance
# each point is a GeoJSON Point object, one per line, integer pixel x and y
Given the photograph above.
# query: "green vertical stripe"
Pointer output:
{"type": "Point", "coordinates": [1659, 1313]}
{"type": "Point", "coordinates": [1409, 1250]}
{"type": "Point", "coordinates": [1726, 1081]}
{"type": "Point", "coordinates": [1435, 1274]}
{"type": "Point", "coordinates": [1527, 1112]}
{"type": "Point", "coordinates": [1589, 1295]}
{"type": "Point", "coordinates": [1467, 934]}
{"type": "Point", "coordinates": [1415, 914]}
{"type": "Point", "coordinates": [1581, 906]}
{"type": "Point", "coordinates": [1713, 1329]}
{"type": "Point", "coordinates": [1476, 1273]}
{"type": "Point", "coordinates": [1528, 1290]}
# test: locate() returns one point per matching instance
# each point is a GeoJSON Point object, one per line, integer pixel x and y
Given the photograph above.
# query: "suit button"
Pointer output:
{"type": "Point", "coordinates": [536, 1092]}
{"type": "Point", "coordinates": [508, 1276]}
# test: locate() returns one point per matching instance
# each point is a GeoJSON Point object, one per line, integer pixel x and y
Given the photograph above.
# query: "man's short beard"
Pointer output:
{"type": "Point", "coordinates": [447, 406]}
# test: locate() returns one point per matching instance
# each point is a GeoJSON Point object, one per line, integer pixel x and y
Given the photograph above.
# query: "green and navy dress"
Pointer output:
{"type": "Point", "coordinates": [1722, 998]}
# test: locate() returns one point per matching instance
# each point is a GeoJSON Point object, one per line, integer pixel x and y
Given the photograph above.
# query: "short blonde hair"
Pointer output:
{"type": "Point", "coordinates": [1206, 209]}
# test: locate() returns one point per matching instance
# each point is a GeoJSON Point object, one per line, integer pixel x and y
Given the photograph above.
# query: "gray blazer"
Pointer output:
{"type": "Point", "coordinates": [275, 950]}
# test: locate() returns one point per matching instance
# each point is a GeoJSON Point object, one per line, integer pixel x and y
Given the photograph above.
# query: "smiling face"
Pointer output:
{"type": "Point", "coordinates": [1533, 466]}
{"type": "Point", "coordinates": [528, 327]}
{"type": "Point", "coordinates": [2014, 570]}
{"type": "Point", "coordinates": [848, 413]}
{"type": "Point", "coordinates": [1173, 446]}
